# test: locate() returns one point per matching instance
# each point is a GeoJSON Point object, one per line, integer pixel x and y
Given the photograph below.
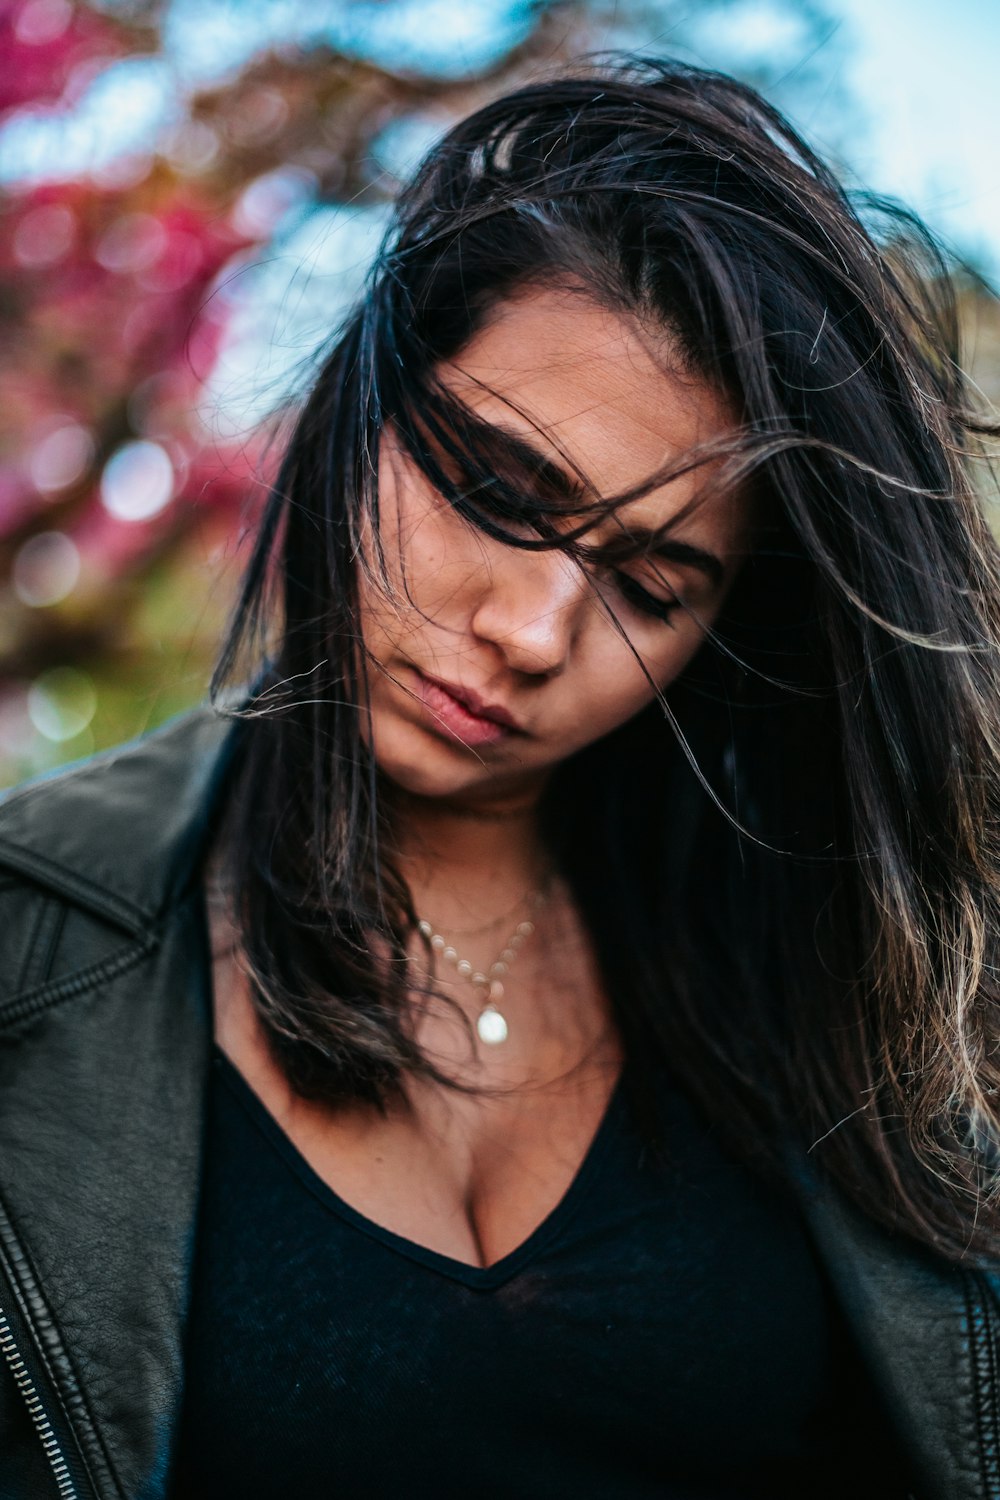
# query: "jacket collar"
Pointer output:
{"type": "Point", "coordinates": [90, 834]}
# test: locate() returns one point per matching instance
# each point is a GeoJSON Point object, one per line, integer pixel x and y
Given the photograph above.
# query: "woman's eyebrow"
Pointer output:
{"type": "Point", "coordinates": [633, 541]}
{"type": "Point", "coordinates": [649, 541]}
{"type": "Point", "coordinates": [555, 478]}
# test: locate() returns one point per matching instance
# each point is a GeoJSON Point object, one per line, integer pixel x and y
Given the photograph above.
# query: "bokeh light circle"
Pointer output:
{"type": "Point", "coordinates": [138, 481]}
{"type": "Point", "coordinates": [46, 569]}
{"type": "Point", "coordinates": [61, 457]}
{"type": "Point", "coordinates": [44, 236]}
{"type": "Point", "coordinates": [132, 242]}
{"type": "Point", "coordinates": [61, 703]}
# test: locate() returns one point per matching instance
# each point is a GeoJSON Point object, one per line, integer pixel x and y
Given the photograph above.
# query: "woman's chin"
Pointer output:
{"type": "Point", "coordinates": [434, 766]}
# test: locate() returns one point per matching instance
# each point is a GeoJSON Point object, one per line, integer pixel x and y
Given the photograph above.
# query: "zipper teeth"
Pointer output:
{"type": "Point", "coordinates": [981, 1320]}
{"type": "Point", "coordinates": [26, 1386]}
{"type": "Point", "coordinates": [989, 1319]}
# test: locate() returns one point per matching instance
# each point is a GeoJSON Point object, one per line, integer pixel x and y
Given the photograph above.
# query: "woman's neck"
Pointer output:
{"type": "Point", "coordinates": [467, 865]}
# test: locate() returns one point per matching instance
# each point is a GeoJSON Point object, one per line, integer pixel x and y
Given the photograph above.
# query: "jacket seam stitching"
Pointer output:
{"type": "Point", "coordinates": [61, 880]}
{"type": "Point", "coordinates": [47, 995]}
{"type": "Point", "coordinates": [35, 941]}
{"type": "Point", "coordinates": [9, 1244]}
{"type": "Point", "coordinates": [48, 928]}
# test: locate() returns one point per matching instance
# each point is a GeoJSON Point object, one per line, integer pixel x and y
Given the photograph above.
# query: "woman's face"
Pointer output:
{"type": "Point", "coordinates": [492, 664]}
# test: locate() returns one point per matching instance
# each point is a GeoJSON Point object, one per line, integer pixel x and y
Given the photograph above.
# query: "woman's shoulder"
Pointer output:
{"type": "Point", "coordinates": [105, 1041]}
{"type": "Point", "coordinates": [100, 851]}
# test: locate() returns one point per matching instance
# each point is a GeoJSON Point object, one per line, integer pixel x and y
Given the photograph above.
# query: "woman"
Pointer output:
{"type": "Point", "coordinates": [592, 901]}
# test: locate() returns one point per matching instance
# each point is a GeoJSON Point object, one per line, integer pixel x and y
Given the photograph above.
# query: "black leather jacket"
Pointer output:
{"type": "Point", "coordinates": [104, 1050]}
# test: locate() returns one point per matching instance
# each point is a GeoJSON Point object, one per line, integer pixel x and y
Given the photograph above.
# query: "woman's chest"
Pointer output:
{"type": "Point", "coordinates": [663, 1331]}
{"type": "Point", "coordinates": [468, 1172]}
{"type": "Point", "coordinates": [468, 1178]}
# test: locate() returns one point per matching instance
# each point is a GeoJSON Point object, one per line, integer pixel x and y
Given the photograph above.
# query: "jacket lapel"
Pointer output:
{"type": "Point", "coordinates": [102, 1085]}
{"type": "Point", "coordinates": [914, 1318]}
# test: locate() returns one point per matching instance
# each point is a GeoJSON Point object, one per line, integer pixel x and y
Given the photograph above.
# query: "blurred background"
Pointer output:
{"type": "Point", "coordinates": [190, 191]}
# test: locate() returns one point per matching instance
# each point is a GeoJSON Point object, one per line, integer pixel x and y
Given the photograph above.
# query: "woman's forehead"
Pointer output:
{"type": "Point", "coordinates": [588, 380]}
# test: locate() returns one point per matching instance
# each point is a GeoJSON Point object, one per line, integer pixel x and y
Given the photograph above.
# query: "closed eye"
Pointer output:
{"type": "Point", "coordinates": [661, 606]}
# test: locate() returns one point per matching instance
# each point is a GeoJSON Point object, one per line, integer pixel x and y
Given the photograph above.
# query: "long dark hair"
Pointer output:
{"type": "Point", "coordinates": [789, 866]}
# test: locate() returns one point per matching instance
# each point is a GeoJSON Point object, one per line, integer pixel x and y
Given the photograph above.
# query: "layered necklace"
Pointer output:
{"type": "Point", "coordinates": [491, 1024]}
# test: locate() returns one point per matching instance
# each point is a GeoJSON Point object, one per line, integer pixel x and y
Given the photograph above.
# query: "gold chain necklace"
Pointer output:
{"type": "Point", "coordinates": [491, 1025]}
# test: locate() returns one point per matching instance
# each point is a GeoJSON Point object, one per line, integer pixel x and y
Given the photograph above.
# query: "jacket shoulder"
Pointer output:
{"type": "Point", "coordinates": [91, 858]}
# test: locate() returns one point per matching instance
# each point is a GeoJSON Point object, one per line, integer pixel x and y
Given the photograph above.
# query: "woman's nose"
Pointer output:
{"type": "Point", "coordinates": [530, 609]}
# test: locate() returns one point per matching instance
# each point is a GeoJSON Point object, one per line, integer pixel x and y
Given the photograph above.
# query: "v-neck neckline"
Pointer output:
{"type": "Point", "coordinates": [482, 1277]}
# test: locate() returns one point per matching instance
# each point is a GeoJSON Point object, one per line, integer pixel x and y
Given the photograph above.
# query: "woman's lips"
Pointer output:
{"type": "Point", "coordinates": [462, 714]}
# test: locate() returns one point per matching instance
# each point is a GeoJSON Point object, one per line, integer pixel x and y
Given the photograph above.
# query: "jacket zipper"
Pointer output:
{"type": "Point", "coordinates": [984, 1333]}
{"type": "Point", "coordinates": [36, 1411]}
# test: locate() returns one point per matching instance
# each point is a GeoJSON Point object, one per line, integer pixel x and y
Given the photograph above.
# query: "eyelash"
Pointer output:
{"type": "Point", "coordinates": [634, 593]}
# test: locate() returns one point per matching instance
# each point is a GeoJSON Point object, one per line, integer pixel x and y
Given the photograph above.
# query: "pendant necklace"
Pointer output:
{"type": "Point", "coordinates": [491, 1025]}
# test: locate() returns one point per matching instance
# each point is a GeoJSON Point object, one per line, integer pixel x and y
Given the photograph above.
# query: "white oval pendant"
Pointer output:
{"type": "Point", "coordinates": [491, 1026]}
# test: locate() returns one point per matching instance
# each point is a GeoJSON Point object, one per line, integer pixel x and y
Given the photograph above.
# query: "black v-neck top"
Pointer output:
{"type": "Point", "coordinates": [666, 1331]}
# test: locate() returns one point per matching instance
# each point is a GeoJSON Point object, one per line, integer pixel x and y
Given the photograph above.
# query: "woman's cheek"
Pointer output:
{"type": "Point", "coordinates": [621, 681]}
{"type": "Point", "coordinates": [627, 673]}
{"type": "Point", "coordinates": [646, 651]}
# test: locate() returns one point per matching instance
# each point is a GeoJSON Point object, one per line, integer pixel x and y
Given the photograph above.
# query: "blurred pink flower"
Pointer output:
{"type": "Point", "coordinates": [44, 42]}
